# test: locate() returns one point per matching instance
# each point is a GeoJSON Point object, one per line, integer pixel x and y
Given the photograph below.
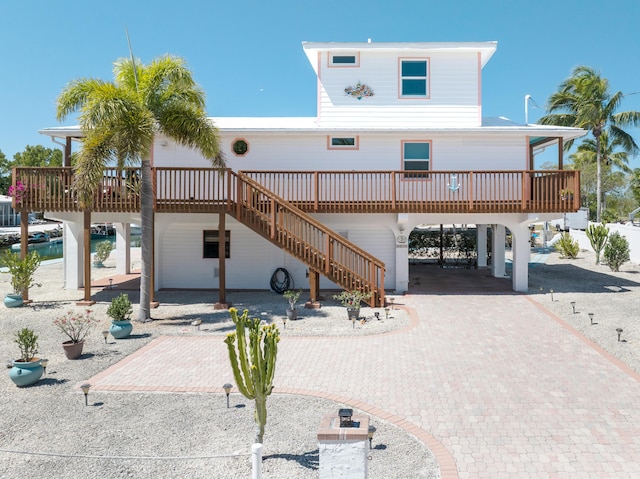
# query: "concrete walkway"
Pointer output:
{"type": "Point", "coordinates": [496, 386]}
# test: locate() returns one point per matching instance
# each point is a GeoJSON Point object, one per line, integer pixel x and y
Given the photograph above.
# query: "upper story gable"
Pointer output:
{"type": "Point", "coordinates": [399, 85]}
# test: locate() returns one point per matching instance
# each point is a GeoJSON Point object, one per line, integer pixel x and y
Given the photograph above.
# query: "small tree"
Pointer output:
{"type": "Point", "coordinates": [120, 308]}
{"type": "Point", "coordinates": [597, 235]}
{"type": "Point", "coordinates": [254, 362]}
{"type": "Point", "coordinates": [27, 341]}
{"type": "Point", "coordinates": [103, 251]}
{"type": "Point", "coordinates": [21, 270]}
{"type": "Point", "coordinates": [567, 246]}
{"type": "Point", "coordinates": [616, 252]}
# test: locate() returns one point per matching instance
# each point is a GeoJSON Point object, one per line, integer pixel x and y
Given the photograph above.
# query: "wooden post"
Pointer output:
{"type": "Point", "coordinates": [314, 290]}
{"type": "Point", "coordinates": [67, 152]}
{"type": "Point", "coordinates": [222, 254]}
{"type": "Point", "coordinates": [87, 260]}
{"type": "Point", "coordinates": [560, 154]}
{"type": "Point", "coordinates": [24, 244]}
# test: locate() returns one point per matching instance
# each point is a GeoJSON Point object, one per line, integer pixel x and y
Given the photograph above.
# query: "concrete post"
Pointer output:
{"type": "Point", "coordinates": [402, 262]}
{"type": "Point", "coordinates": [123, 248]}
{"type": "Point", "coordinates": [521, 237]}
{"type": "Point", "coordinates": [481, 243]}
{"type": "Point", "coordinates": [73, 255]}
{"type": "Point", "coordinates": [497, 251]}
{"type": "Point", "coordinates": [343, 450]}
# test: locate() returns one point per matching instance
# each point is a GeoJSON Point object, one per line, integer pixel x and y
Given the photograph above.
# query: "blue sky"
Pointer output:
{"type": "Point", "coordinates": [247, 54]}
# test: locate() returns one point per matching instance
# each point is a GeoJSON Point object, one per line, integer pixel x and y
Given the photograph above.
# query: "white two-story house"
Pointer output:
{"type": "Point", "coordinates": [399, 140]}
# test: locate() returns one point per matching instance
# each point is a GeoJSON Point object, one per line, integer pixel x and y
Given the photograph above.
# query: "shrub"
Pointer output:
{"type": "Point", "coordinates": [616, 252]}
{"type": "Point", "coordinates": [120, 308]}
{"type": "Point", "coordinates": [292, 296]}
{"type": "Point", "coordinates": [103, 250]}
{"type": "Point", "coordinates": [352, 299]}
{"type": "Point", "coordinates": [27, 341]}
{"type": "Point", "coordinates": [567, 246]}
{"type": "Point", "coordinates": [21, 270]}
{"type": "Point", "coordinates": [597, 235]}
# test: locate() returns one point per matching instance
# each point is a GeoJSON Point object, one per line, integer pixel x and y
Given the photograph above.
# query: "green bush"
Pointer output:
{"type": "Point", "coordinates": [120, 308]}
{"type": "Point", "coordinates": [567, 246]}
{"type": "Point", "coordinates": [27, 341]}
{"type": "Point", "coordinates": [103, 251]}
{"type": "Point", "coordinates": [616, 252]}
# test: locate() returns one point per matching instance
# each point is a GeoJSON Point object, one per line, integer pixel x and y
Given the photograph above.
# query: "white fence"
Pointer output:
{"type": "Point", "coordinates": [632, 233]}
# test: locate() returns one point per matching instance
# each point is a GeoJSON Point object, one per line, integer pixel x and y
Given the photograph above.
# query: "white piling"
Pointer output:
{"type": "Point", "coordinates": [256, 461]}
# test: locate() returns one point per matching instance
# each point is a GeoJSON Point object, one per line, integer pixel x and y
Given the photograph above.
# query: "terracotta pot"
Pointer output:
{"type": "Point", "coordinates": [73, 350]}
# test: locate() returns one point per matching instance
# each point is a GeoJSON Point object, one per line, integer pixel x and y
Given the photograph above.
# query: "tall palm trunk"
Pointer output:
{"type": "Point", "coordinates": [597, 133]}
{"type": "Point", "coordinates": [146, 240]}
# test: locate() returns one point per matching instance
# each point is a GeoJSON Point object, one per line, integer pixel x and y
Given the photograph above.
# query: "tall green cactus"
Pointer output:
{"type": "Point", "coordinates": [598, 236]}
{"type": "Point", "coordinates": [254, 362]}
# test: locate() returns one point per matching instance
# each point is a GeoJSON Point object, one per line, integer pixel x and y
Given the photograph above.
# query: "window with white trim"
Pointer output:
{"type": "Point", "coordinates": [416, 156]}
{"type": "Point", "coordinates": [342, 142]}
{"type": "Point", "coordinates": [414, 78]}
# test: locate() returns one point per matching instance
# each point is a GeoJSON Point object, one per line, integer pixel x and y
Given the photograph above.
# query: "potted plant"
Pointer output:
{"type": "Point", "coordinates": [21, 271]}
{"type": "Point", "coordinates": [351, 300]}
{"type": "Point", "coordinates": [27, 370]}
{"type": "Point", "coordinates": [76, 326]}
{"type": "Point", "coordinates": [103, 250]}
{"type": "Point", "coordinates": [566, 194]}
{"type": "Point", "coordinates": [119, 311]}
{"type": "Point", "coordinates": [292, 296]}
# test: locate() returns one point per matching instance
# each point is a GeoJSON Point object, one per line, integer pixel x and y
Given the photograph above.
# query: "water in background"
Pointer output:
{"type": "Point", "coordinates": [53, 249]}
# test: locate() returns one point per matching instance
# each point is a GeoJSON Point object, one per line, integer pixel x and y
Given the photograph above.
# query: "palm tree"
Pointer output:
{"type": "Point", "coordinates": [612, 156]}
{"type": "Point", "coordinates": [584, 101]}
{"type": "Point", "coordinates": [119, 121]}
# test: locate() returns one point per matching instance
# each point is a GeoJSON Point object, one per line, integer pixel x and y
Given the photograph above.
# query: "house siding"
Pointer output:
{"type": "Point", "coordinates": [452, 101]}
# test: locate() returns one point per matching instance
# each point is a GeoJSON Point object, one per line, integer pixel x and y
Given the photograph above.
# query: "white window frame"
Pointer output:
{"type": "Point", "coordinates": [331, 146]}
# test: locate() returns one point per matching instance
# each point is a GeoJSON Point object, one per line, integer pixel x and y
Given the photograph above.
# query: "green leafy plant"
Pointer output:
{"type": "Point", "coordinates": [352, 299]}
{"type": "Point", "coordinates": [597, 235]}
{"type": "Point", "coordinates": [292, 297]}
{"type": "Point", "coordinates": [21, 270]}
{"type": "Point", "coordinates": [120, 308]}
{"type": "Point", "coordinates": [76, 325]}
{"type": "Point", "coordinates": [103, 250]}
{"type": "Point", "coordinates": [616, 252]}
{"type": "Point", "coordinates": [27, 341]}
{"type": "Point", "coordinates": [567, 246]}
{"type": "Point", "coordinates": [253, 361]}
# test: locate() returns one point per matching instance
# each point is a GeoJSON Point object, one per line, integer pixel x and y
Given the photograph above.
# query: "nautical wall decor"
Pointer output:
{"type": "Point", "coordinates": [359, 91]}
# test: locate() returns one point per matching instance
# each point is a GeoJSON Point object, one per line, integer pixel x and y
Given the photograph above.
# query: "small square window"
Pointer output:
{"type": "Point", "coordinates": [344, 60]}
{"type": "Point", "coordinates": [211, 244]}
{"type": "Point", "coordinates": [342, 142]}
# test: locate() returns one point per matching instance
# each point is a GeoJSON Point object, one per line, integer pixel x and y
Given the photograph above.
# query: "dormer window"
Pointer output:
{"type": "Point", "coordinates": [344, 59]}
{"type": "Point", "coordinates": [414, 79]}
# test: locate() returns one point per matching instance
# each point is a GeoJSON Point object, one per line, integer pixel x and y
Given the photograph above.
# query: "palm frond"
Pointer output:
{"type": "Point", "coordinates": [75, 96]}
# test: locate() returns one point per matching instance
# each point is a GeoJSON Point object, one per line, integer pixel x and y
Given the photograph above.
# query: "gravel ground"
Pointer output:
{"type": "Point", "coordinates": [612, 297]}
{"type": "Point", "coordinates": [178, 435]}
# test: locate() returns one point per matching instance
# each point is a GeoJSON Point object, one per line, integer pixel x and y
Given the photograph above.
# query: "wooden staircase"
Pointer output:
{"type": "Point", "coordinates": [321, 249]}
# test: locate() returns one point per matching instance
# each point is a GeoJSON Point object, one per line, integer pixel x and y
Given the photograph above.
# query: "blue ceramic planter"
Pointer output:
{"type": "Point", "coordinates": [13, 300]}
{"type": "Point", "coordinates": [120, 329]}
{"type": "Point", "coordinates": [25, 374]}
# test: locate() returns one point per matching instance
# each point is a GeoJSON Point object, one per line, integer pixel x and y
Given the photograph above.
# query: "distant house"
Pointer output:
{"type": "Point", "coordinates": [8, 216]}
{"type": "Point", "coordinates": [399, 140]}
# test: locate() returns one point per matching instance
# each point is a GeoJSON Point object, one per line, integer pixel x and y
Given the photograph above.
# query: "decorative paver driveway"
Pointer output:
{"type": "Point", "coordinates": [506, 389]}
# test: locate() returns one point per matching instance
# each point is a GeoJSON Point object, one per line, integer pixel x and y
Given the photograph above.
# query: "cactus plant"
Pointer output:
{"type": "Point", "coordinates": [253, 361]}
{"type": "Point", "coordinates": [598, 236]}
